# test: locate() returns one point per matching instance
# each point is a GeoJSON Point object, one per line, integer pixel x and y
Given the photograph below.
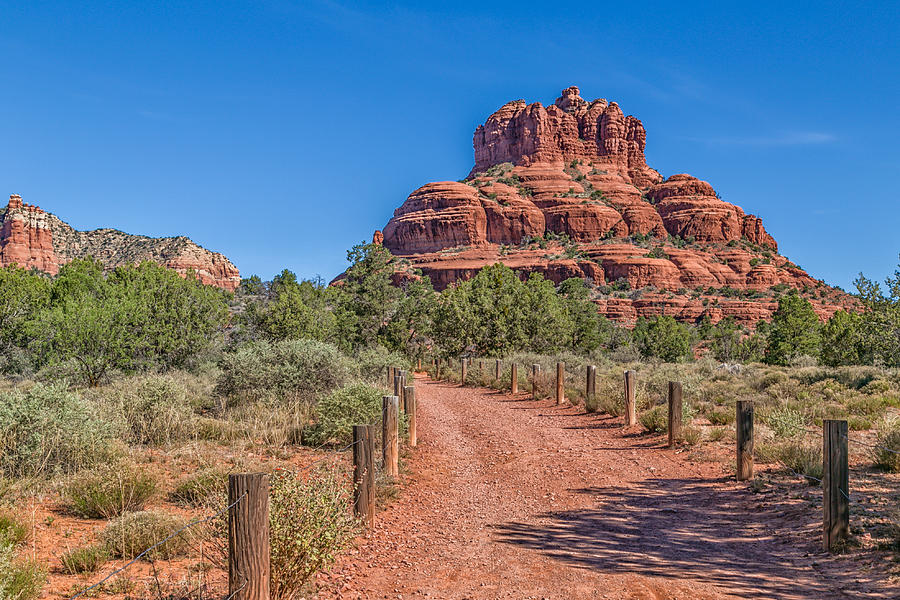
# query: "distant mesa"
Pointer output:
{"type": "Point", "coordinates": [33, 238]}
{"type": "Point", "coordinates": [565, 190]}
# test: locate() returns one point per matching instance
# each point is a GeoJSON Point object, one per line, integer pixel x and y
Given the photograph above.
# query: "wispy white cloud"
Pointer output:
{"type": "Point", "coordinates": [786, 138]}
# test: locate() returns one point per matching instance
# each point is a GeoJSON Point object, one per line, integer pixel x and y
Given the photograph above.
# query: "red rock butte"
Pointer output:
{"type": "Point", "coordinates": [34, 239]}
{"type": "Point", "coordinates": [565, 190]}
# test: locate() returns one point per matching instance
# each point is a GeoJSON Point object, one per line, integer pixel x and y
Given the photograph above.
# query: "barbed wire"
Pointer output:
{"type": "Point", "coordinates": [160, 543]}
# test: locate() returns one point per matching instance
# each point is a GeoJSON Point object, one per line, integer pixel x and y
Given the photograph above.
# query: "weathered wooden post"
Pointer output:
{"type": "Point", "coordinates": [630, 412]}
{"type": "Point", "coordinates": [590, 389]}
{"type": "Point", "coordinates": [364, 473]}
{"type": "Point", "coordinates": [398, 387]}
{"type": "Point", "coordinates": [560, 382]}
{"type": "Point", "coordinates": [463, 370]}
{"type": "Point", "coordinates": [390, 376]}
{"type": "Point", "coordinates": [437, 369]}
{"type": "Point", "coordinates": [390, 434]}
{"type": "Point", "coordinates": [835, 483]}
{"type": "Point", "coordinates": [404, 380]}
{"type": "Point", "coordinates": [744, 430]}
{"type": "Point", "coordinates": [535, 373]}
{"type": "Point", "coordinates": [675, 411]}
{"type": "Point", "coordinates": [248, 536]}
{"type": "Point", "coordinates": [410, 394]}
{"type": "Point", "coordinates": [514, 379]}
{"type": "Point", "coordinates": [497, 370]}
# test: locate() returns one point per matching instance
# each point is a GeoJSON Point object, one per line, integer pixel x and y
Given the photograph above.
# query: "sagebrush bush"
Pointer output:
{"type": "Point", "coordinates": [47, 430]}
{"type": "Point", "coordinates": [310, 522]}
{"type": "Point", "coordinates": [12, 530]}
{"type": "Point", "coordinates": [337, 412]}
{"type": "Point", "coordinates": [719, 416]}
{"type": "Point", "coordinates": [888, 439]}
{"type": "Point", "coordinates": [19, 579]}
{"type": "Point", "coordinates": [151, 409]}
{"type": "Point", "coordinates": [88, 559]}
{"type": "Point", "coordinates": [292, 370]}
{"type": "Point", "coordinates": [132, 533]}
{"type": "Point", "coordinates": [655, 420]}
{"type": "Point", "coordinates": [108, 491]}
{"type": "Point", "coordinates": [203, 488]}
{"type": "Point", "coordinates": [372, 363]}
{"type": "Point", "coordinates": [804, 457]}
{"type": "Point", "coordinates": [785, 422]}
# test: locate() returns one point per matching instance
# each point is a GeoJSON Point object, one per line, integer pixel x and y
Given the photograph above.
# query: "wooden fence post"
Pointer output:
{"type": "Point", "coordinates": [410, 394]}
{"type": "Point", "coordinates": [630, 412]}
{"type": "Point", "coordinates": [463, 370]}
{"type": "Point", "coordinates": [514, 379]}
{"type": "Point", "coordinates": [398, 387]}
{"type": "Point", "coordinates": [390, 434]}
{"type": "Point", "coordinates": [590, 388]}
{"type": "Point", "coordinates": [404, 379]}
{"type": "Point", "coordinates": [535, 372]}
{"type": "Point", "coordinates": [560, 382]}
{"type": "Point", "coordinates": [744, 429]}
{"type": "Point", "coordinates": [248, 536]}
{"type": "Point", "coordinates": [675, 411]}
{"type": "Point", "coordinates": [390, 376]}
{"type": "Point", "coordinates": [437, 369]}
{"type": "Point", "coordinates": [364, 473]}
{"type": "Point", "coordinates": [497, 370]}
{"type": "Point", "coordinates": [419, 364]}
{"type": "Point", "coordinates": [835, 483]}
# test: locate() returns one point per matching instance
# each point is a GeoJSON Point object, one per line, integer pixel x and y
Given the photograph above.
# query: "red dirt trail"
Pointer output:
{"type": "Point", "coordinates": [506, 497]}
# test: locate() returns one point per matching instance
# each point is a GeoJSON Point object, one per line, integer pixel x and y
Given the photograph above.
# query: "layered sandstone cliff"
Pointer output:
{"type": "Point", "coordinates": [565, 190]}
{"type": "Point", "coordinates": [33, 238]}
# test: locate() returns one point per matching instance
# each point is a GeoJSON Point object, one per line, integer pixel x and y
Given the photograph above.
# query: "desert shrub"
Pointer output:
{"type": "Point", "coordinates": [691, 435]}
{"type": "Point", "coordinates": [717, 434]}
{"type": "Point", "coordinates": [337, 412]}
{"type": "Point", "coordinates": [88, 559]}
{"type": "Point", "coordinates": [373, 362]}
{"type": "Point", "coordinates": [859, 423]}
{"type": "Point", "coordinates": [47, 429]}
{"type": "Point", "coordinates": [803, 457]}
{"type": "Point", "coordinates": [19, 579]}
{"type": "Point", "coordinates": [109, 491]}
{"type": "Point", "coordinates": [785, 422]}
{"type": "Point", "coordinates": [153, 409]}
{"type": "Point", "coordinates": [888, 439]}
{"type": "Point", "coordinates": [309, 524]}
{"type": "Point", "coordinates": [201, 489]}
{"type": "Point", "coordinates": [292, 370]}
{"type": "Point", "coordinates": [133, 532]}
{"type": "Point", "coordinates": [721, 416]}
{"type": "Point", "coordinates": [656, 420]}
{"type": "Point", "coordinates": [12, 530]}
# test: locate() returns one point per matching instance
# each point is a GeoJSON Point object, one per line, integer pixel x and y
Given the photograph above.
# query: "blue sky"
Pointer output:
{"type": "Point", "coordinates": [282, 133]}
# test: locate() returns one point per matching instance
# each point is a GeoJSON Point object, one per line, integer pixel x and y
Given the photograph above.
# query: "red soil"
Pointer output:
{"type": "Point", "coordinates": [507, 497]}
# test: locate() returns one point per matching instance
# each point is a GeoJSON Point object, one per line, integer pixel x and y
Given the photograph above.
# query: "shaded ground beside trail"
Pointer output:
{"type": "Point", "coordinates": [506, 497]}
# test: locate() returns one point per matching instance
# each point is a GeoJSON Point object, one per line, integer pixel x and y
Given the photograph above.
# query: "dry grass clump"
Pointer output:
{"type": "Point", "coordinates": [109, 491]}
{"type": "Point", "coordinates": [887, 452]}
{"type": "Point", "coordinates": [202, 489]}
{"type": "Point", "coordinates": [150, 409]}
{"type": "Point", "coordinates": [88, 559]}
{"type": "Point", "coordinates": [133, 532]}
